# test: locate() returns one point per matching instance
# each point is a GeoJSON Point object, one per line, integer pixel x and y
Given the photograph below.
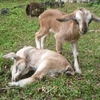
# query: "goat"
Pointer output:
{"type": "Point", "coordinates": [34, 9]}
{"type": "Point", "coordinates": [67, 28]}
{"type": "Point", "coordinates": [42, 61]}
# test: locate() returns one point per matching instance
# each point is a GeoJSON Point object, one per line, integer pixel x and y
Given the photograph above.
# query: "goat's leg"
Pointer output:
{"type": "Point", "coordinates": [42, 70]}
{"type": "Point", "coordinates": [58, 45]}
{"type": "Point", "coordinates": [75, 54]}
{"type": "Point", "coordinates": [42, 41]}
{"type": "Point", "coordinates": [37, 41]}
{"type": "Point", "coordinates": [22, 82]}
{"type": "Point", "coordinates": [40, 37]}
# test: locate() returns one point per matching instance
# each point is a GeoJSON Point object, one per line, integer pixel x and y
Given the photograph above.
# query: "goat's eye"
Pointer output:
{"type": "Point", "coordinates": [76, 21]}
{"type": "Point", "coordinates": [19, 69]}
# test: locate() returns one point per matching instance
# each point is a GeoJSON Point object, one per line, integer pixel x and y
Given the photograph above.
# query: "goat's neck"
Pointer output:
{"type": "Point", "coordinates": [70, 31]}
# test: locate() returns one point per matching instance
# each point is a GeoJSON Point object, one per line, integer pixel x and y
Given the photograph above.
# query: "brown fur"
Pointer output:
{"type": "Point", "coordinates": [67, 27]}
{"type": "Point", "coordinates": [66, 31]}
{"type": "Point", "coordinates": [34, 9]}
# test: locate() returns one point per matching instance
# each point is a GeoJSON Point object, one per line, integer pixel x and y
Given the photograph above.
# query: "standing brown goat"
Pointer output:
{"type": "Point", "coordinates": [67, 27]}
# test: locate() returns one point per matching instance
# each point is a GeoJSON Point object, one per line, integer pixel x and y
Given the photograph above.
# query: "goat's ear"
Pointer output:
{"type": "Point", "coordinates": [11, 55]}
{"type": "Point", "coordinates": [95, 18]}
{"type": "Point", "coordinates": [66, 17]}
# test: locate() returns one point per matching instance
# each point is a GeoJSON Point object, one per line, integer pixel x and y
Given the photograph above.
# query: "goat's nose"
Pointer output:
{"type": "Point", "coordinates": [84, 28]}
{"type": "Point", "coordinates": [18, 77]}
{"type": "Point", "coordinates": [84, 31]}
{"type": "Point", "coordinates": [14, 79]}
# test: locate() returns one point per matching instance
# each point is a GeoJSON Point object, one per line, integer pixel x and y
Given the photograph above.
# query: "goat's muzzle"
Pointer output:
{"type": "Point", "coordinates": [84, 28]}
{"type": "Point", "coordinates": [15, 79]}
{"type": "Point", "coordinates": [83, 32]}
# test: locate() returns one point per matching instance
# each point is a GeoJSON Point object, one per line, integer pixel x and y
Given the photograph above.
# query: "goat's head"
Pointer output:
{"type": "Point", "coordinates": [20, 66]}
{"type": "Point", "coordinates": [83, 17]}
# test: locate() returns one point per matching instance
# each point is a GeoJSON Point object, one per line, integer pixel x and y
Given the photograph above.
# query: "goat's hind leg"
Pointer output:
{"type": "Point", "coordinates": [43, 41]}
{"type": "Point", "coordinates": [37, 41]}
{"type": "Point", "coordinates": [40, 38]}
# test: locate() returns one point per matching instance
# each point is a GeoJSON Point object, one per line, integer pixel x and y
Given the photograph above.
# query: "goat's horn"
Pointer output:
{"type": "Point", "coordinates": [95, 18]}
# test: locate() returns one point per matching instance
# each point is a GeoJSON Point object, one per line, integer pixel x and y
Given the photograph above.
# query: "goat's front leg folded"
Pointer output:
{"type": "Point", "coordinates": [38, 75]}
{"type": "Point", "coordinates": [22, 82]}
{"type": "Point", "coordinates": [40, 72]}
{"type": "Point", "coordinates": [75, 54]}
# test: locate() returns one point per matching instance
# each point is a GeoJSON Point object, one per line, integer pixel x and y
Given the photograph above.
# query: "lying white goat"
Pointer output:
{"type": "Point", "coordinates": [41, 60]}
{"type": "Point", "coordinates": [66, 28]}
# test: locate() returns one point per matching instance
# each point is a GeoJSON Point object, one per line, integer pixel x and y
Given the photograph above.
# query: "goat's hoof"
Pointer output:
{"type": "Point", "coordinates": [78, 72]}
{"type": "Point", "coordinates": [12, 84]}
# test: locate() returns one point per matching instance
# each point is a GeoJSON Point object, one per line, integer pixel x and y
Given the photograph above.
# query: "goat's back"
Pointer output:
{"type": "Point", "coordinates": [47, 20]}
{"type": "Point", "coordinates": [68, 30]}
{"type": "Point", "coordinates": [51, 13]}
{"type": "Point", "coordinates": [36, 56]}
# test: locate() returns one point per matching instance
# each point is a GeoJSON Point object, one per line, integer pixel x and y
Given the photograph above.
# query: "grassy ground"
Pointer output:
{"type": "Point", "coordinates": [17, 30]}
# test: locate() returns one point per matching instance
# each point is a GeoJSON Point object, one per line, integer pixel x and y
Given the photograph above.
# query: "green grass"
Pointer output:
{"type": "Point", "coordinates": [18, 30]}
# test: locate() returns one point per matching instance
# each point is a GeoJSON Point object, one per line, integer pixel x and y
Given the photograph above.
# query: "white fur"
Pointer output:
{"type": "Point", "coordinates": [43, 61]}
